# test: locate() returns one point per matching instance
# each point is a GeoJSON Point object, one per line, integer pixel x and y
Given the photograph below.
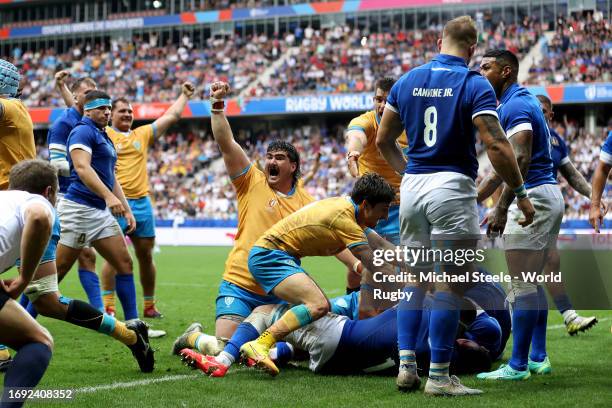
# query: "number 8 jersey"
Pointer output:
{"type": "Point", "coordinates": [436, 103]}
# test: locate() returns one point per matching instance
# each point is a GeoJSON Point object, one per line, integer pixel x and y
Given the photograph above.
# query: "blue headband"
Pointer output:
{"type": "Point", "coordinates": [96, 103]}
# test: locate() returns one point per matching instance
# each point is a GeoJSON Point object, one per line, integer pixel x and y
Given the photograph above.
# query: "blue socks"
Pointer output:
{"type": "Point", "coordinates": [409, 318]}
{"type": "Point", "coordinates": [244, 333]}
{"type": "Point", "coordinates": [91, 285]}
{"type": "Point", "coordinates": [538, 342]}
{"type": "Point", "coordinates": [443, 324]}
{"type": "Point", "coordinates": [28, 306]}
{"type": "Point", "coordinates": [126, 292]}
{"type": "Point", "coordinates": [27, 368]}
{"type": "Point", "coordinates": [562, 302]}
{"type": "Point", "coordinates": [524, 318]}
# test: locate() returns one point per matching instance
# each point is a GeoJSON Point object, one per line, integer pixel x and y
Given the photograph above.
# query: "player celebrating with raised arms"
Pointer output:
{"type": "Point", "coordinates": [264, 197]}
{"type": "Point", "coordinates": [324, 228]}
{"type": "Point", "coordinates": [132, 147]}
{"type": "Point", "coordinates": [439, 104]}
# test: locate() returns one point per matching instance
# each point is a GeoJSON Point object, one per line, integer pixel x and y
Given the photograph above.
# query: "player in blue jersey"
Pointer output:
{"type": "Point", "coordinates": [439, 104]}
{"type": "Point", "coordinates": [92, 199]}
{"type": "Point", "coordinates": [333, 342]}
{"type": "Point", "coordinates": [574, 323]}
{"type": "Point", "coordinates": [57, 139]}
{"type": "Point", "coordinates": [525, 248]}
{"type": "Point", "coordinates": [598, 210]}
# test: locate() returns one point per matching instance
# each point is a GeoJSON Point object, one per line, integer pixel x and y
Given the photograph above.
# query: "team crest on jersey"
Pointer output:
{"type": "Point", "coordinates": [290, 263]}
{"type": "Point", "coordinates": [554, 141]}
{"type": "Point", "coordinates": [136, 144]}
{"type": "Point", "coordinates": [272, 202]}
{"type": "Point", "coordinates": [228, 300]}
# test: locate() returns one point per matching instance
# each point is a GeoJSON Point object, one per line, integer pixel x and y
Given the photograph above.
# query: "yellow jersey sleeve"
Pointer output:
{"type": "Point", "coordinates": [363, 123]}
{"type": "Point", "coordinates": [246, 178]}
{"type": "Point", "coordinates": [348, 231]}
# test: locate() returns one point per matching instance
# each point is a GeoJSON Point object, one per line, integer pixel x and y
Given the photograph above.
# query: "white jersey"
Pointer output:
{"type": "Point", "coordinates": [13, 205]}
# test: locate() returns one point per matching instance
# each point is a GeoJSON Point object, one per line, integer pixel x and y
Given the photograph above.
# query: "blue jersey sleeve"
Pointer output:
{"type": "Point", "coordinates": [81, 138]}
{"type": "Point", "coordinates": [57, 137]}
{"type": "Point", "coordinates": [606, 150]}
{"type": "Point", "coordinates": [393, 98]}
{"type": "Point", "coordinates": [516, 117]}
{"type": "Point", "coordinates": [564, 154]}
{"type": "Point", "coordinates": [480, 96]}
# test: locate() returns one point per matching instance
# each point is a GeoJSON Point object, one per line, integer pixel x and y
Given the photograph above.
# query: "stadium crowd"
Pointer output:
{"type": "Point", "coordinates": [579, 51]}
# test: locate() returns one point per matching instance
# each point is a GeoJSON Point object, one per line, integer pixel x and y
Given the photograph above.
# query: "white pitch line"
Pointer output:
{"type": "Point", "coordinates": [137, 383]}
{"type": "Point", "coordinates": [562, 326]}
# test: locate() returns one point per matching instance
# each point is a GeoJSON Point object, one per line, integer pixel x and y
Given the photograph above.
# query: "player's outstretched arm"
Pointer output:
{"type": "Point", "coordinates": [174, 112]}
{"type": "Point", "coordinates": [62, 87]}
{"type": "Point", "coordinates": [81, 160]}
{"type": "Point", "coordinates": [575, 179]}
{"type": "Point", "coordinates": [390, 129]}
{"type": "Point", "coordinates": [597, 213]}
{"type": "Point", "coordinates": [234, 157]}
{"type": "Point", "coordinates": [355, 142]}
{"type": "Point", "coordinates": [38, 221]}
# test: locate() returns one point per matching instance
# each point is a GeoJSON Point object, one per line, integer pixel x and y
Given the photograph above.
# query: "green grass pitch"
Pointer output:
{"type": "Point", "coordinates": [103, 372]}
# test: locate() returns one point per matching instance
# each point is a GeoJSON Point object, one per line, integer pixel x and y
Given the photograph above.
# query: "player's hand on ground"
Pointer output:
{"type": "Point", "coordinates": [115, 206]}
{"type": "Point", "coordinates": [188, 89]}
{"type": "Point", "coordinates": [497, 222]}
{"type": "Point", "coordinates": [14, 287]}
{"type": "Point", "coordinates": [131, 222]}
{"type": "Point", "coordinates": [219, 90]}
{"type": "Point", "coordinates": [596, 216]}
{"type": "Point", "coordinates": [528, 211]}
{"type": "Point", "coordinates": [61, 77]}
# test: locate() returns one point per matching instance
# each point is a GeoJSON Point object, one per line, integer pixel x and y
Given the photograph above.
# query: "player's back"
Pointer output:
{"type": "Point", "coordinates": [436, 103]}
{"type": "Point", "coordinates": [16, 137]}
{"type": "Point", "coordinates": [322, 228]}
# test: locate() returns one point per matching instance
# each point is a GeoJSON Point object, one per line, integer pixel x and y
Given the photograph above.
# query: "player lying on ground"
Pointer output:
{"type": "Point", "coordinates": [26, 221]}
{"type": "Point", "coordinates": [333, 342]}
{"type": "Point", "coordinates": [43, 291]}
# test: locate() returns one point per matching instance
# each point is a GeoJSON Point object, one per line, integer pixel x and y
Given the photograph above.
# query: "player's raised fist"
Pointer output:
{"type": "Point", "coordinates": [188, 89]}
{"type": "Point", "coordinates": [219, 89]}
{"type": "Point", "coordinates": [61, 77]}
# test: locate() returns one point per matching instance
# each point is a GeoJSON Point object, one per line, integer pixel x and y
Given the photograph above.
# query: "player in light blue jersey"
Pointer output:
{"type": "Point", "coordinates": [526, 249]}
{"type": "Point", "coordinates": [439, 104]}
{"type": "Point", "coordinates": [574, 323]}
{"type": "Point", "coordinates": [598, 211]}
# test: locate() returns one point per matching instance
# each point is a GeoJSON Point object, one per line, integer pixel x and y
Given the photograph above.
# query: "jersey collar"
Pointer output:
{"type": "Point", "coordinates": [450, 59]}
{"type": "Point", "coordinates": [509, 92]}
{"type": "Point", "coordinates": [354, 206]}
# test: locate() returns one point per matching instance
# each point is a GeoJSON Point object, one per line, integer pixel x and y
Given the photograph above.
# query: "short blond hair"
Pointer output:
{"type": "Point", "coordinates": [461, 31]}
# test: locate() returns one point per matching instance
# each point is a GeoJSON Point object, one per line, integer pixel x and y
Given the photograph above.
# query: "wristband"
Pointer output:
{"type": "Point", "coordinates": [217, 105]}
{"type": "Point", "coordinates": [520, 192]}
{"type": "Point", "coordinates": [354, 154]}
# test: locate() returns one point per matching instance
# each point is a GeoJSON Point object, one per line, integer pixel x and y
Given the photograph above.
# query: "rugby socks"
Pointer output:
{"type": "Point", "coordinates": [108, 298]}
{"type": "Point", "coordinates": [117, 330]}
{"type": "Point", "coordinates": [28, 306]}
{"type": "Point", "coordinates": [294, 318]}
{"type": "Point", "coordinates": [538, 342]}
{"type": "Point", "coordinates": [202, 342]}
{"type": "Point", "coordinates": [149, 302]}
{"type": "Point", "coordinates": [27, 369]}
{"type": "Point", "coordinates": [126, 292]}
{"type": "Point", "coordinates": [408, 321]}
{"type": "Point", "coordinates": [91, 285]}
{"type": "Point", "coordinates": [282, 353]}
{"type": "Point", "coordinates": [85, 315]}
{"type": "Point", "coordinates": [563, 303]}
{"type": "Point", "coordinates": [244, 333]}
{"type": "Point", "coordinates": [524, 319]}
{"type": "Point", "coordinates": [443, 324]}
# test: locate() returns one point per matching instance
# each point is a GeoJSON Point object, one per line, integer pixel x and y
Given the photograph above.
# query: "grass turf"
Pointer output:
{"type": "Point", "coordinates": [103, 372]}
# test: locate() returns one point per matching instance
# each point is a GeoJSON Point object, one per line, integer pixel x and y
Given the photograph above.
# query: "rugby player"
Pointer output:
{"type": "Point", "coordinates": [93, 197]}
{"type": "Point", "coordinates": [16, 140]}
{"type": "Point", "coordinates": [264, 197]}
{"type": "Point", "coordinates": [597, 211]}
{"type": "Point", "coordinates": [364, 157]}
{"type": "Point", "coordinates": [333, 341]}
{"type": "Point", "coordinates": [132, 146]}
{"type": "Point", "coordinates": [574, 323]}
{"type": "Point", "coordinates": [57, 139]}
{"type": "Point", "coordinates": [526, 248]}
{"type": "Point", "coordinates": [26, 221]}
{"type": "Point", "coordinates": [323, 228]}
{"type": "Point", "coordinates": [439, 104]}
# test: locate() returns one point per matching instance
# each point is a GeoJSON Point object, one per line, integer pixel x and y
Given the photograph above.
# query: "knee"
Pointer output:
{"type": "Point", "coordinates": [44, 337]}
{"type": "Point", "coordinates": [87, 260]}
{"type": "Point", "coordinates": [126, 265]}
{"type": "Point", "coordinates": [145, 256]}
{"type": "Point", "coordinates": [319, 309]}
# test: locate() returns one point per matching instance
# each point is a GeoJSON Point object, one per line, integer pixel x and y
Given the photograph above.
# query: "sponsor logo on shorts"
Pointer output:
{"type": "Point", "coordinates": [81, 239]}
{"type": "Point", "coordinates": [228, 300]}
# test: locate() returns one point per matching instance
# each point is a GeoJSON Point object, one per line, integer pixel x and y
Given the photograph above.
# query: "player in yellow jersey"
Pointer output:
{"type": "Point", "coordinates": [16, 128]}
{"type": "Point", "coordinates": [264, 197]}
{"type": "Point", "coordinates": [324, 228]}
{"type": "Point", "coordinates": [131, 171]}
